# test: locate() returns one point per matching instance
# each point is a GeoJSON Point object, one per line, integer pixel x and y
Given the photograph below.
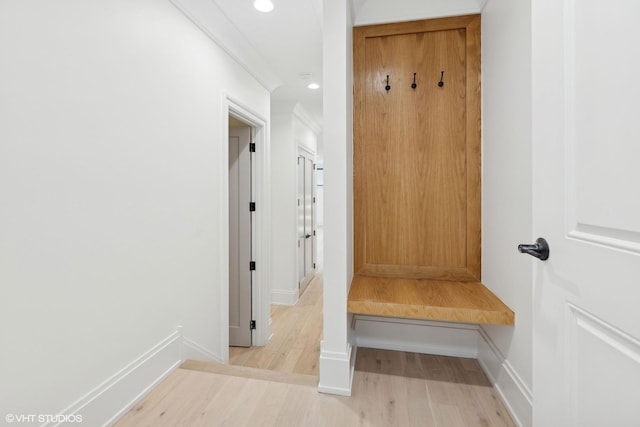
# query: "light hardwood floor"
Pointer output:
{"type": "Point", "coordinates": [390, 388]}
{"type": "Point", "coordinates": [295, 344]}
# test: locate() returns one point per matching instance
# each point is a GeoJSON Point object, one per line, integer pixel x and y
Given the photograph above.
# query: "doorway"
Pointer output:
{"type": "Point", "coordinates": [259, 321]}
{"type": "Point", "coordinates": [241, 208]}
{"type": "Point", "coordinates": [306, 219]}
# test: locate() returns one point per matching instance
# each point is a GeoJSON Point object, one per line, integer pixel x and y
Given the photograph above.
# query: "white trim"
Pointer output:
{"type": "Point", "coordinates": [303, 115]}
{"type": "Point", "coordinates": [410, 16]}
{"type": "Point", "coordinates": [261, 297]}
{"type": "Point", "coordinates": [450, 339]}
{"type": "Point", "coordinates": [207, 16]}
{"type": "Point", "coordinates": [307, 154]}
{"type": "Point", "coordinates": [192, 350]}
{"type": "Point", "coordinates": [336, 370]}
{"type": "Point", "coordinates": [298, 111]}
{"type": "Point", "coordinates": [417, 336]}
{"type": "Point", "coordinates": [284, 296]}
{"type": "Point", "coordinates": [116, 395]}
{"type": "Point", "coordinates": [513, 391]}
{"type": "Point", "coordinates": [627, 241]}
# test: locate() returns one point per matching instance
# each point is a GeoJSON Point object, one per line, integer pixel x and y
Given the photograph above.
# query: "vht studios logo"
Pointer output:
{"type": "Point", "coordinates": [43, 418]}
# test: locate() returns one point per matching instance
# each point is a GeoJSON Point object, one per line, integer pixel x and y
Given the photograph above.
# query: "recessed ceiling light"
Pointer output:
{"type": "Point", "coordinates": [263, 5]}
{"type": "Point", "coordinates": [313, 86]}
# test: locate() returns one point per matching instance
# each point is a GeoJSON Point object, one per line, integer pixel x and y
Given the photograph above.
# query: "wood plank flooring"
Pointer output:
{"type": "Point", "coordinates": [295, 344]}
{"type": "Point", "coordinates": [389, 388]}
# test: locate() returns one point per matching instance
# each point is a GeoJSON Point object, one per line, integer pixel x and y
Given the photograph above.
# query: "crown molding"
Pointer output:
{"type": "Point", "coordinates": [304, 116]}
{"type": "Point", "coordinates": [295, 109]}
{"type": "Point", "coordinates": [207, 16]}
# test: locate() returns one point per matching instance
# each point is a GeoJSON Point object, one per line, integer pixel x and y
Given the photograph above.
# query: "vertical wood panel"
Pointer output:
{"type": "Point", "coordinates": [416, 159]}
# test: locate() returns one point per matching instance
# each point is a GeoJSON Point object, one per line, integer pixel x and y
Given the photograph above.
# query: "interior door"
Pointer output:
{"type": "Point", "coordinates": [239, 236]}
{"type": "Point", "coordinates": [308, 217]}
{"type": "Point", "coordinates": [306, 232]}
{"type": "Point", "coordinates": [301, 222]}
{"type": "Point", "coordinates": [587, 205]}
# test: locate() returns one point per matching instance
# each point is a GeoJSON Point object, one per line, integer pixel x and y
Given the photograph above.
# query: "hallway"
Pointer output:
{"type": "Point", "coordinates": [389, 389]}
{"type": "Point", "coordinates": [275, 385]}
{"type": "Point", "coordinates": [295, 344]}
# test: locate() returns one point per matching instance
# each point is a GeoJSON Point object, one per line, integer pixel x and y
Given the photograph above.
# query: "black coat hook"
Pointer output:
{"type": "Point", "coordinates": [414, 85]}
{"type": "Point", "coordinates": [387, 87]}
{"type": "Point", "coordinates": [441, 82]}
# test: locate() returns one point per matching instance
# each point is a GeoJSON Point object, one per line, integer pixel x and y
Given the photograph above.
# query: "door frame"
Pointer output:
{"type": "Point", "coordinates": [261, 244]}
{"type": "Point", "coordinates": [241, 234]}
{"type": "Point", "coordinates": [307, 154]}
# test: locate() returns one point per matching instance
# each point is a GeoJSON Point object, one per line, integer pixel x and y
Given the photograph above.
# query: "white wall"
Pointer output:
{"type": "Point", "coordinates": [507, 194]}
{"type": "Point", "coordinates": [305, 132]}
{"type": "Point", "coordinates": [110, 130]}
{"type": "Point", "coordinates": [381, 11]}
{"type": "Point", "coordinates": [337, 72]}
{"type": "Point", "coordinates": [291, 128]}
{"type": "Point", "coordinates": [284, 282]}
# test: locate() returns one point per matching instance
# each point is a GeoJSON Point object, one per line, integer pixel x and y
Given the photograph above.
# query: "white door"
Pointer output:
{"type": "Point", "coordinates": [239, 237]}
{"type": "Point", "coordinates": [301, 222]}
{"type": "Point", "coordinates": [586, 170]}
{"type": "Point", "coordinates": [306, 226]}
{"type": "Point", "coordinates": [309, 200]}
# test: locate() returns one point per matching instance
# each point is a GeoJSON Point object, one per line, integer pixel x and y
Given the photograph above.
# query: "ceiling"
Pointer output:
{"type": "Point", "coordinates": [290, 41]}
{"type": "Point", "coordinates": [281, 46]}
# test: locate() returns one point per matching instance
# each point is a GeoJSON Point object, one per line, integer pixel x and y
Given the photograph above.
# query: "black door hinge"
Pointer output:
{"type": "Point", "coordinates": [252, 324]}
{"type": "Point", "coordinates": [252, 147]}
{"type": "Point", "coordinates": [252, 265]}
{"type": "Point", "coordinates": [252, 206]}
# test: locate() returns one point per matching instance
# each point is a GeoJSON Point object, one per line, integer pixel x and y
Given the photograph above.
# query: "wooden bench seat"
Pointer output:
{"type": "Point", "coordinates": [466, 302]}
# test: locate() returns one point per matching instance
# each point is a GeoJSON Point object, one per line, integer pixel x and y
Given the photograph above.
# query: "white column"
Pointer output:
{"type": "Point", "coordinates": [336, 361]}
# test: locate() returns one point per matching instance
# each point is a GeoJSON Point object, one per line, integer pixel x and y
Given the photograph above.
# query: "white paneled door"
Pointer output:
{"type": "Point", "coordinates": [306, 223]}
{"type": "Point", "coordinates": [240, 273]}
{"type": "Point", "coordinates": [586, 161]}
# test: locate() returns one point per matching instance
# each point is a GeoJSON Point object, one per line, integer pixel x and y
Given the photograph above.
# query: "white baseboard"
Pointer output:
{"type": "Point", "coordinates": [108, 401]}
{"type": "Point", "coordinates": [417, 336]}
{"type": "Point", "coordinates": [336, 371]}
{"type": "Point", "coordinates": [450, 339]}
{"type": "Point", "coordinates": [284, 297]}
{"type": "Point", "coordinates": [512, 390]}
{"type": "Point", "coordinates": [192, 350]}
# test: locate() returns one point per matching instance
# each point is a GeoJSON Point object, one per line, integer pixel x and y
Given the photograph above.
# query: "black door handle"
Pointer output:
{"type": "Point", "coordinates": [540, 249]}
{"type": "Point", "coordinates": [307, 236]}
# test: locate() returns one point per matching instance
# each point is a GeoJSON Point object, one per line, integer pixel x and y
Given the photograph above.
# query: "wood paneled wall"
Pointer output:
{"type": "Point", "coordinates": [417, 151]}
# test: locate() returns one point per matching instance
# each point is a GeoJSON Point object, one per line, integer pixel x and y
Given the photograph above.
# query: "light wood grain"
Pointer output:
{"type": "Point", "coordinates": [468, 302]}
{"type": "Point", "coordinates": [417, 151]}
{"type": "Point", "coordinates": [389, 389]}
{"type": "Point", "coordinates": [248, 372]}
{"type": "Point", "coordinates": [295, 344]}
